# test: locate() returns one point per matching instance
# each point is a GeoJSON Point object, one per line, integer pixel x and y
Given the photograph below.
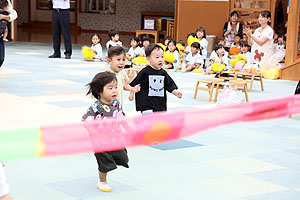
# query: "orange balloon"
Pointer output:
{"type": "Point", "coordinates": [158, 132]}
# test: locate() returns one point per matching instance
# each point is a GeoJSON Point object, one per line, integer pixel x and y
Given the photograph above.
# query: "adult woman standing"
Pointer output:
{"type": "Point", "coordinates": [232, 28]}
{"type": "Point", "coordinates": [11, 17]}
{"type": "Point", "coordinates": [261, 41]}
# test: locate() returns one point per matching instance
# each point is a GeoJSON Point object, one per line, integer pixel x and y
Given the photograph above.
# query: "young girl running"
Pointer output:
{"type": "Point", "coordinates": [96, 46]}
{"type": "Point", "coordinates": [104, 88]}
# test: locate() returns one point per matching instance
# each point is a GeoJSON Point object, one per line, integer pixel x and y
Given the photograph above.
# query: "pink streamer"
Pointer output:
{"type": "Point", "coordinates": [117, 133]}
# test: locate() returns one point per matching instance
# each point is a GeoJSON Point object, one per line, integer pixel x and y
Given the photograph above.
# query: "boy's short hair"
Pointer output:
{"type": "Point", "coordinates": [145, 38]}
{"type": "Point", "coordinates": [3, 4]}
{"type": "Point", "coordinates": [112, 33]}
{"type": "Point", "coordinates": [181, 42]}
{"type": "Point", "coordinates": [95, 87]}
{"type": "Point", "coordinates": [196, 45]}
{"type": "Point", "coordinates": [115, 51]}
{"type": "Point", "coordinates": [151, 48]}
{"type": "Point", "coordinates": [135, 39]}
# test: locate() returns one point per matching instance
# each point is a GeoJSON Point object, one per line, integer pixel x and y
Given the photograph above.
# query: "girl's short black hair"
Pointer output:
{"type": "Point", "coordinates": [181, 42]}
{"type": "Point", "coordinates": [168, 38]}
{"type": "Point", "coordinates": [151, 48]}
{"type": "Point", "coordinates": [219, 40]}
{"type": "Point", "coordinates": [234, 13]}
{"type": "Point", "coordinates": [219, 46]}
{"type": "Point", "coordinates": [96, 34]}
{"type": "Point", "coordinates": [196, 45]}
{"type": "Point", "coordinates": [244, 44]}
{"type": "Point", "coordinates": [172, 41]}
{"type": "Point", "coordinates": [239, 35]}
{"type": "Point", "coordinates": [115, 51]}
{"type": "Point", "coordinates": [145, 38]}
{"type": "Point", "coordinates": [112, 33]}
{"type": "Point", "coordinates": [95, 87]}
{"type": "Point", "coordinates": [191, 34]}
{"type": "Point", "coordinates": [201, 29]}
{"type": "Point", "coordinates": [135, 39]}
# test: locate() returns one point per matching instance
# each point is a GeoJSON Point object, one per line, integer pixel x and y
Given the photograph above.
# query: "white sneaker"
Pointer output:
{"type": "Point", "coordinates": [104, 187]}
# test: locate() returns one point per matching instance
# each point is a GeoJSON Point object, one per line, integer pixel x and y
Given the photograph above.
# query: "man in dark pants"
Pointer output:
{"type": "Point", "coordinates": [61, 23]}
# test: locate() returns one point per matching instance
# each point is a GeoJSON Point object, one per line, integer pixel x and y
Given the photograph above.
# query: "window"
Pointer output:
{"type": "Point", "coordinates": [47, 4]}
{"type": "Point", "coordinates": [101, 6]}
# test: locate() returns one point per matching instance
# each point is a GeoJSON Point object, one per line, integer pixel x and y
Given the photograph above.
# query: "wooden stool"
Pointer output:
{"type": "Point", "coordinates": [254, 77]}
{"type": "Point", "coordinates": [132, 72]}
{"type": "Point", "coordinates": [233, 83]}
{"type": "Point", "coordinates": [210, 86]}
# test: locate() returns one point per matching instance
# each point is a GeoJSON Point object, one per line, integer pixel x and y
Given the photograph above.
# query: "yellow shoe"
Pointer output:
{"type": "Point", "coordinates": [104, 187]}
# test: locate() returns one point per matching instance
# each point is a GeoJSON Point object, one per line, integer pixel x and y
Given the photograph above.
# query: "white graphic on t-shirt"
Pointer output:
{"type": "Point", "coordinates": [156, 86]}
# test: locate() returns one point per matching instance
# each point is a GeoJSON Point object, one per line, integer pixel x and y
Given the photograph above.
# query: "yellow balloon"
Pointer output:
{"type": "Point", "coordinates": [191, 40]}
{"type": "Point", "coordinates": [162, 45]}
{"type": "Point", "coordinates": [139, 60]}
{"type": "Point", "coordinates": [87, 52]}
{"type": "Point", "coordinates": [169, 57]}
{"type": "Point", "coordinates": [216, 67]}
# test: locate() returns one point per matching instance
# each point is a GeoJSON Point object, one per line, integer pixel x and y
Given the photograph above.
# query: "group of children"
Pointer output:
{"type": "Point", "coordinates": [148, 89]}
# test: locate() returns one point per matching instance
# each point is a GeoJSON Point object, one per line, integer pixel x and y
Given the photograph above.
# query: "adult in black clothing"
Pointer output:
{"type": "Point", "coordinates": [232, 28]}
{"type": "Point", "coordinates": [61, 24]}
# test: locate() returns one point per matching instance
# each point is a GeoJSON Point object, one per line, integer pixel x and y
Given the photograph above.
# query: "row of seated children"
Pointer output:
{"type": "Point", "coordinates": [95, 53]}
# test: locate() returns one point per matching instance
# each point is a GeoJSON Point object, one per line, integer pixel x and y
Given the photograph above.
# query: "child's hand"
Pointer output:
{"type": "Point", "coordinates": [137, 88]}
{"type": "Point", "coordinates": [131, 96]}
{"type": "Point", "coordinates": [177, 93]}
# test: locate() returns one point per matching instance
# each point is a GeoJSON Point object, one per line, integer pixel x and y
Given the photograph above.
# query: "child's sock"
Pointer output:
{"type": "Point", "coordinates": [104, 187]}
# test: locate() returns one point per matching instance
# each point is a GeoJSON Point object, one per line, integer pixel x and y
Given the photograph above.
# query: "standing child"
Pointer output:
{"type": "Point", "coordinates": [134, 50]}
{"type": "Point", "coordinates": [154, 82]}
{"type": "Point", "coordinates": [173, 50]}
{"type": "Point", "coordinates": [201, 35]}
{"type": "Point", "coordinates": [96, 46]}
{"type": "Point", "coordinates": [3, 24]}
{"type": "Point", "coordinates": [116, 60]}
{"type": "Point", "coordinates": [114, 39]}
{"type": "Point", "coordinates": [104, 88]}
{"type": "Point", "coordinates": [194, 59]}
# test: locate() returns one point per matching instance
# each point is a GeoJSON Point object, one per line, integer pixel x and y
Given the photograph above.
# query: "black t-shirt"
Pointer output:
{"type": "Point", "coordinates": [154, 84]}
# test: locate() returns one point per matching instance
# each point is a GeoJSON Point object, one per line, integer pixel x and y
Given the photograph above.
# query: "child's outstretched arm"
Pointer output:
{"type": "Point", "coordinates": [136, 88]}
{"type": "Point", "coordinates": [177, 93]}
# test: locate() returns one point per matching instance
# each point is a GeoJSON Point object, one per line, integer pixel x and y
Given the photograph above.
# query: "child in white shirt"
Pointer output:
{"type": "Point", "coordinates": [134, 50]}
{"type": "Point", "coordinates": [114, 39]}
{"type": "Point", "coordinates": [201, 35]}
{"type": "Point", "coordinates": [145, 44]}
{"type": "Point", "coordinates": [194, 59]}
{"type": "Point", "coordinates": [218, 61]}
{"type": "Point", "coordinates": [96, 46]}
{"type": "Point", "coordinates": [173, 49]}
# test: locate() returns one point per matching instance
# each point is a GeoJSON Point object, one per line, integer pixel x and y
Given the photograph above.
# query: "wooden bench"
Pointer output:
{"type": "Point", "coordinates": [234, 84]}
{"type": "Point", "coordinates": [210, 84]}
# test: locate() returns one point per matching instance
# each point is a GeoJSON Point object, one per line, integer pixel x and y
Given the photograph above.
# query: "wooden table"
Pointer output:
{"type": "Point", "coordinates": [248, 77]}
